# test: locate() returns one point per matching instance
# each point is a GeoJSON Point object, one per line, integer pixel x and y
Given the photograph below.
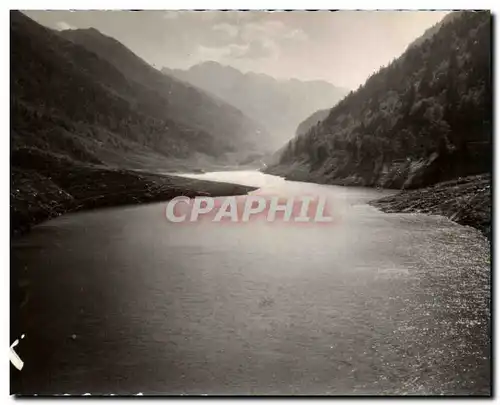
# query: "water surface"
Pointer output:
{"type": "Point", "coordinates": [122, 301]}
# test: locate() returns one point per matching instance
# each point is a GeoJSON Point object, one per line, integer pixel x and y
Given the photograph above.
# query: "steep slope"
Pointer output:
{"type": "Point", "coordinates": [67, 99]}
{"type": "Point", "coordinates": [279, 105]}
{"type": "Point", "coordinates": [311, 121]}
{"type": "Point", "coordinates": [430, 32]}
{"type": "Point", "coordinates": [176, 99]}
{"type": "Point", "coordinates": [74, 114]}
{"type": "Point", "coordinates": [425, 118]}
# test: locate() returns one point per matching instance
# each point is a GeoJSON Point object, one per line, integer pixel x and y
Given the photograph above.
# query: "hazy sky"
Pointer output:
{"type": "Point", "coordinates": [342, 47]}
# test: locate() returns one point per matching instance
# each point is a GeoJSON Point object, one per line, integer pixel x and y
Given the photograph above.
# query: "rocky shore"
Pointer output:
{"type": "Point", "coordinates": [466, 201]}
{"type": "Point", "coordinates": [43, 187]}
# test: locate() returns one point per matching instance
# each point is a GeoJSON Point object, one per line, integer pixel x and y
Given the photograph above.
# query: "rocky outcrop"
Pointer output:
{"type": "Point", "coordinates": [466, 201]}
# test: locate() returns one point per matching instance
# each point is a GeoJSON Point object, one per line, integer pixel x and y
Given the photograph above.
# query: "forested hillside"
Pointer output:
{"type": "Point", "coordinates": [424, 118]}
{"type": "Point", "coordinates": [178, 100]}
{"type": "Point", "coordinates": [311, 121]}
{"type": "Point", "coordinates": [101, 103]}
{"type": "Point", "coordinates": [85, 110]}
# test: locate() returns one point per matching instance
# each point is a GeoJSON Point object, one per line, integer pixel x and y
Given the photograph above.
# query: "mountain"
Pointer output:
{"type": "Point", "coordinates": [85, 112]}
{"type": "Point", "coordinates": [280, 105]}
{"type": "Point", "coordinates": [310, 121]}
{"type": "Point", "coordinates": [430, 32]}
{"type": "Point", "coordinates": [84, 95]}
{"type": "Point", "coordinates": [425, 118]}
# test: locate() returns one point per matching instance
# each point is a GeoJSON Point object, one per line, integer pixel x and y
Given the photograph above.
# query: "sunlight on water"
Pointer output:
{"type": "Point", "coordinates": [372, 303]}
{"type": "Point", "coordinates": [247, 178]}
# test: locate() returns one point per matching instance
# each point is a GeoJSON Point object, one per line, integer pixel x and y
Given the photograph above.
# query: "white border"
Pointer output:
{"type": "Point", "coordinates": [179, 4]}
{"type": "Point", "coordinates": [253, 5]}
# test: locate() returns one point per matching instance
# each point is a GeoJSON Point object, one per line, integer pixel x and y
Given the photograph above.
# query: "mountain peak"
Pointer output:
{"type": "Point", "coordinates": [213, 66]}
{"type": "Point", "coordinates": [280, 105]}
{"type": "Point", "coordinates": [90, 30]}
{"type": "Point", "coordinates": [110, 103]}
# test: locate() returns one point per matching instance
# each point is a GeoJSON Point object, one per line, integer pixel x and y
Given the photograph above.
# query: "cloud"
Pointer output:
{"type": "Point", "coordinates": [237, 51]}
{"type": "Point", "coordinates": [265, 37]}
{"type": "Point", "coordinates": [262, 30]}
{"type": "Point", "coordinates": [221, 53]}
{"type": "Point", "coordinates": [230, 35]}
{"type": "Point", "coordinates": [62, 25]}
{"type": "Point", "coordinates": [234, 38]}
{"type": "Point", "coordinates": [259, 50]}
{"type": "Point", "coordinates": [253, 50]}
{"type": "Point", "coordinates": [296, 35]}
{"type": "Point", "coordinates": [212, 53]}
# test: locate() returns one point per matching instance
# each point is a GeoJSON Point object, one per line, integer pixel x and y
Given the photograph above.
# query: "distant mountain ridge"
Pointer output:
{"type": "Point", "coordinates": [279, 105]}
{"type": "Point", "coordinates": [81, 94]}
{"type": "Point", "coordinates": [205, 112]}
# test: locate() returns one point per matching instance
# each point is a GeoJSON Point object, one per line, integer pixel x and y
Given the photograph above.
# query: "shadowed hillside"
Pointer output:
{"type": "Point", "coordinates": [177, 100]}
{"type": "Point", "coordinates": [424, 118]}
{"type": "Point", "coordinates": [100, 102]}
{"type": "Point", "coordinates": [82, 105]}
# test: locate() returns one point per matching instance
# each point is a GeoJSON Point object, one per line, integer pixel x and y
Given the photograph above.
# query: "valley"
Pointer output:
{"type": "Point", "coordinates": [115, 113]}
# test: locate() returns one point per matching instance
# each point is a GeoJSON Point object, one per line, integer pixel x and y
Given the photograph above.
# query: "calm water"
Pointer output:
{"type": "Point", "coordinates": [122, 301]}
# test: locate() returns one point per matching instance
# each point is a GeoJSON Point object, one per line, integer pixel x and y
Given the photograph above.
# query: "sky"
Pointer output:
{"type": "Point", "coordinates": [343, 47]}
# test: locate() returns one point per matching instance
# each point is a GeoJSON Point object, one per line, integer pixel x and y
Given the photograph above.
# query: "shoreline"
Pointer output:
{"type": "Point", "coordinates": [466, 201]}
{"type": "Point", "coordinates": [37, 196]}
{"type": "Point", "coordinates": [48, 188]}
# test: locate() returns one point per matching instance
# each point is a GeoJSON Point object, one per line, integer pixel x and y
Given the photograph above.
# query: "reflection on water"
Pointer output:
{"type": "Point", "coordinates": [372, 303]}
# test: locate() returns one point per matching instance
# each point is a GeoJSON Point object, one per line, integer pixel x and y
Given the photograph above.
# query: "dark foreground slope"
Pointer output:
{"type": "Point", "coordinates": [425, 118]}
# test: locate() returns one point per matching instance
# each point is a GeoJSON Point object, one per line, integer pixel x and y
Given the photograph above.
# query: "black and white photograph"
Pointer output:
{"type": "Point", "coordinates": [250, 202]}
